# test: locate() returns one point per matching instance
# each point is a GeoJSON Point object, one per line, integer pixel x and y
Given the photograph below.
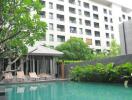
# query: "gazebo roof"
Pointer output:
{"type": "Point", "coordinates": [42, 50]}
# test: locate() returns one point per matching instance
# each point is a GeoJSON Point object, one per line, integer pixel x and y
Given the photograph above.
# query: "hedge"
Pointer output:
{"type": "Point", "coordinates": [102, 73]}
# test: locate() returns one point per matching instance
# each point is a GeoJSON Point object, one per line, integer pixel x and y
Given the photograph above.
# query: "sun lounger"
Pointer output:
{"type": "Point", "coordinates": [8, 76]}
{"type": "Point", "coordinates": [20, 76]}
{"type": "Point", "coordinates": [33, 76]}
{"type": "Point", "coordinates": [45, 76]}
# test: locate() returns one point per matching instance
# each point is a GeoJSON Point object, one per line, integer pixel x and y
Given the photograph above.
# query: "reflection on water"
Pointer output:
{"type": "Point", "coordinates": [68, 91]}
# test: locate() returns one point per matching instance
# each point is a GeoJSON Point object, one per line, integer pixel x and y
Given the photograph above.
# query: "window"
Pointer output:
{"type": "Point", "coordinates": [88, 41]}
{"type": "Point", "coordinates": [95, 16]}
{"type": "Point", "coordinates": [60, 17]}
{"type": "Point", "coordinates": [79, 3]}
{"type": "Point", "coordinates": [88, 32]}
{"type": "Point", "coordinates": [112, 28]}
{"type": "Point", "coordinates": [106, 19]}
{"type": "Point", "coordinates": [98, 50]}
{"type": "Point", "coordinates": [43, 2]}
{"type": "Point", "coordinates": [60, 38]}
{"type": "Point", "coordinates": [80, 31]}
{"type": "Point", "coordinates": [60, 28]}
{"type": "Point", "coordinates": [51, 26]}
{"type": "Point", "coordinates": [86, 5]}
{"type": "Point", "coordinates": [87, 23]}
{"type": "Point", "coordinates": [96, 25]}
{"type": "Point", "coordinates": [60, 7]}
{"type": "Point", "coordinates": [107, 43]}
{"type": "Point", "coordinates": [42, 14]}
{"type": "Point", "coordinates": [95, 8]}
{"type": "Point", "coordinates": [80, 21]}
{"type": "Point", "coordinates": [111, 20]}
{"type": "Point", "coordinates": [112, 36]}
{"type": "Point", "coordinates": [73, 29]}
{"type": "Point", "coordinates": [106, 27]}
{"type": "Point", "coordinates": [72, 1]}
{"type": "Point", "coordinates": [119, 19]}
{"type": "Point", "coordinates": [110, 12]}
{"type": "Point", "coordinates": [79, 12]}
{"type": "Point", "coordinates": [50, 5]}
{"type": "Point", "coordinates": [72, 10]}
{"type": "Point", "coordinates": [107, 35]}
{"type": "Point", "coordinates": [72, 20]}
{"type": "Point", "coordinates": [50, 15]}
{"type": "Point", "coordinates": [123, 16]}
{"type": "Point", "coordinates": [97, 34]}
{"type": "Point", "coordinates": [51, 37]}
{"type": "Point", "coordinates": [129, 18]}
{"type": "Point", "coordinates": [87, 14]}
{"type": "Point", "coordinates": [105, 11]}
{"type": "Point", "coordinates": [97, 43]}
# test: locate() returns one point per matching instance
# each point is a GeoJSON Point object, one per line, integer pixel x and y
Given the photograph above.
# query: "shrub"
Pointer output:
{"type": "Point", "coordinates": [102, 73]}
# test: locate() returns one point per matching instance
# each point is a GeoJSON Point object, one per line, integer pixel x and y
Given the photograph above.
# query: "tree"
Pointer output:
{"type": "Point", "coordinates": [115, 49]}
{"type": "Point", "coordinates": [20, 26]}
{"type": "Point", "coordinates": [75, 49]}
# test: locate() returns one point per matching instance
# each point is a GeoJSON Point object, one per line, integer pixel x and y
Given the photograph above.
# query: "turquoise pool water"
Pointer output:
{"type": "Point", "coordinates": [68, 91]}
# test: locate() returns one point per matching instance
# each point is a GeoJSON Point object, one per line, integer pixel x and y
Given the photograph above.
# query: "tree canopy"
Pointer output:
{"type": "Point", "coordinates": [20, 26]}
{"type": "Point", "coordinates": [75, 49]}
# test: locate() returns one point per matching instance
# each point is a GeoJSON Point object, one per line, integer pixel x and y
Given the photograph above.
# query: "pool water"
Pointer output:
{"type": "Point", "coordinates": [68, 91]}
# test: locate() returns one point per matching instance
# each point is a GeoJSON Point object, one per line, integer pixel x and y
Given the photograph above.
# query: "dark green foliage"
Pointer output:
{"type": "Point", "coordinates": [20, 26]}
{"type": "Point", "coordinates": [102, 73]}
{"type": "Point", "coordinates": [75, 49]}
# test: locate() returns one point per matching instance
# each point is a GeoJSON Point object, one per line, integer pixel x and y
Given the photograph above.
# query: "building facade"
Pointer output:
{"type": "Point", "coordinates": [94, 21]}
{"type": "Point", "coordinates": [126, 37]}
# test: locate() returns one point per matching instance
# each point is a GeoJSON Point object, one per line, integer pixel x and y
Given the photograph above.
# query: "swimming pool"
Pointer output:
{"type": "Point", "coordinates": [68, 91]}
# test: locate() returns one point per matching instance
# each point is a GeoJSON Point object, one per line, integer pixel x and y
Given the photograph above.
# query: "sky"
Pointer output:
{"type": "Point", "coordinates": [127, 3]}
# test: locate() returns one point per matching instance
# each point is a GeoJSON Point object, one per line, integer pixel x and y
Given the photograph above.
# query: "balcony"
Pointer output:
{"type": "Point", "coordinates": [61, 28]}
{"type": "Point", "coordinates": [60, 7]}
{"type": "Point", "coordinates": [60, 38]}
{"type": "Point", "coordinates": [72, 10]}
{"type": "Point", "coordinates": [86, 5]}
{"type": "Point", "coordinates": [42, 14]}
{"type": "Point", "coordinates": [72, 20]}
{"type": "Point", "coordinates": [60, 17]}
{"type": "Point", "coordinates": [73, 30]}
{"type": "Point", "coordinates": [87, 23]}
{"type": "Point", "coordinates": [87, 14]}
{"type": "Point", "coordinates": [72, 2]}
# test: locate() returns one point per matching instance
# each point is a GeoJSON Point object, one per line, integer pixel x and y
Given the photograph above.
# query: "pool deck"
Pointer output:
{"type": "Point", "coordinates": [34, 81]}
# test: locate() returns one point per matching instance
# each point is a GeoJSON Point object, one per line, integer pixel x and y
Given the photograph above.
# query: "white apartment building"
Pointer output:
{"type": "Point", "coordinates": [95, 21]}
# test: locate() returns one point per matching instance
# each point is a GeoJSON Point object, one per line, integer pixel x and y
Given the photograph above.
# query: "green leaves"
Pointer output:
{"type": "Point", "coordinates": [20, 26]}
{"type": "Point", "coordinates": [102, 73]}
{"type": "Point", "coordinates": [75, 49]}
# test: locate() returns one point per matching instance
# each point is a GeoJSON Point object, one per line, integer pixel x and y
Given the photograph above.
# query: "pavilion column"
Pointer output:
{"type": "Point", "coordinates": [33, 64]}
{"type": "Point", "coordinates": [27, 65]}
{"type": "Point", "coordinates": [62, 70]}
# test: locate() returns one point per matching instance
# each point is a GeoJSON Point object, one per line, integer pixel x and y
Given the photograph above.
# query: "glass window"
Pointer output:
{"type": "Point", "coordinates": [60, 38]}
{"type": "Point", "coordinates": [51, 26]}
{"type": "Point", "coordinates": [95, 8]}
{"type": "Point", "coordinates": [50, 5]}
{"type": "Point", "coordinates": [51, 37]}
{"type": "Point", "coordinates": [88, 32]}
{"type": "Point", "coordinates": [50, 15]}
{"type": "Point", "coordinates": [97, 43]}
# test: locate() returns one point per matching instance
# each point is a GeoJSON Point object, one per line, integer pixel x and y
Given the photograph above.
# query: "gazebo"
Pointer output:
{"type": "Point", "coordinates": [42, 59]}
